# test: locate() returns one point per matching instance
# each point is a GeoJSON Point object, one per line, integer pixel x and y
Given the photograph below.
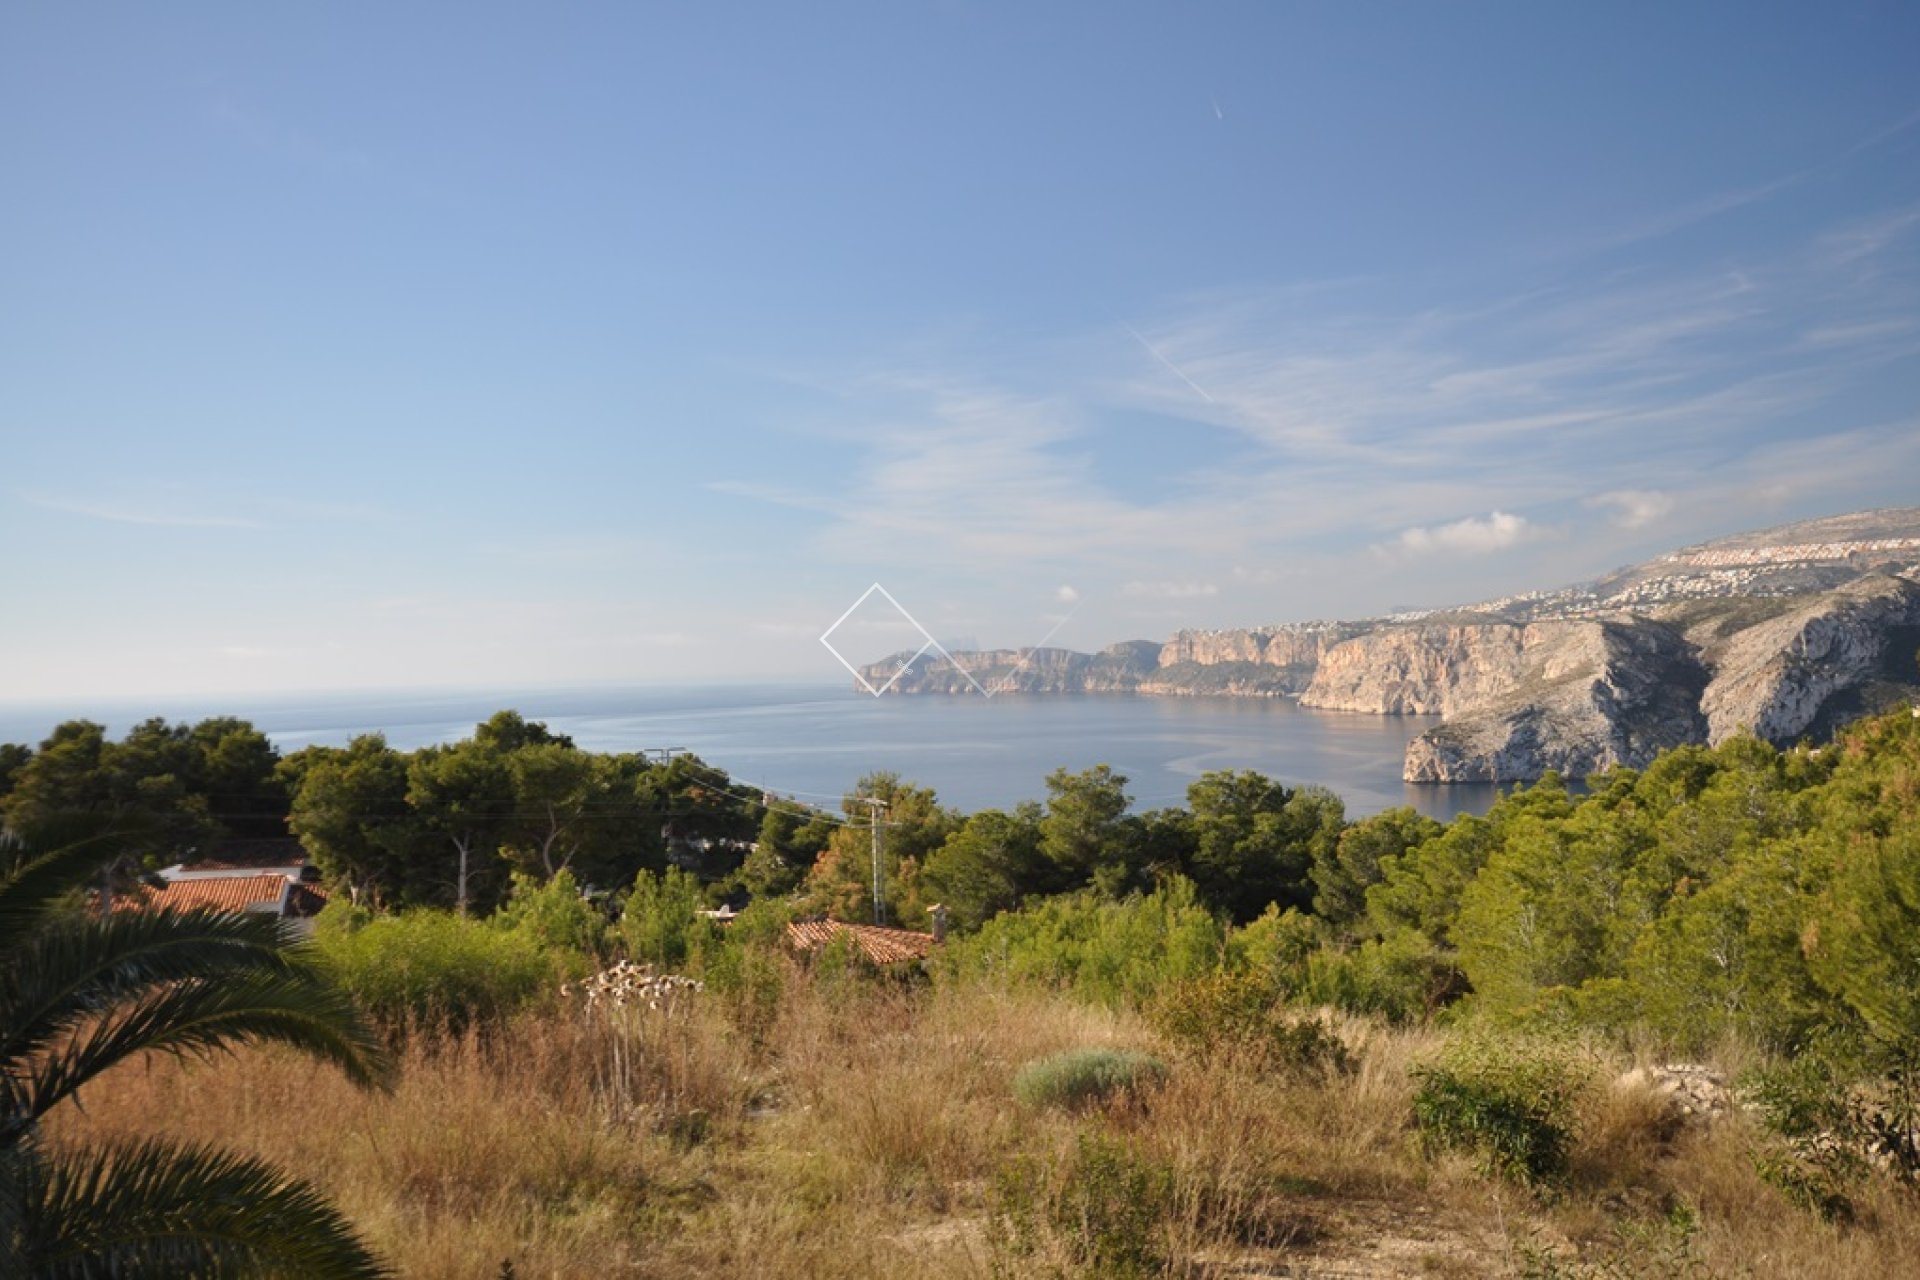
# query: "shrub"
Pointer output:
{"type": "Point", "coordinates": [1083, 1077]}
{"type": "Point", "coordinates": [1108, 952]}
{"type": "Point", "coordinates": [1836, 1111]}
{"type": "Point", "coordinates": [662, 924]}
{"type": "Point", "coordinates": [1240, 1013]}
{"type": "Point", "coordinates": [1102, 1211]}
{"type": "Point", "coordinates": [1402, 978]}
{"type": "Point", "coordinates": [435, 967]}
{"type": "Point", "coordinates": [554, 915]}
{"type": "Point", "coordinates": [1509, 1101]}
{"type": "Point", "coordinates": [747, 967]}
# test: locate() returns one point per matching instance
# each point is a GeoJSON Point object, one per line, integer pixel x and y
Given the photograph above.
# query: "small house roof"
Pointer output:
{"type": "Point", "coordinates": [224, 893]}
{"type": "Point", "coordinates": [876, 942]}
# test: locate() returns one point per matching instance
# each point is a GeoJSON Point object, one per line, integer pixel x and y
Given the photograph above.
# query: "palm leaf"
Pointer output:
{"type": "Point", "coordinates": [34, 880]}
{"type": "Point", "coordinates": [69, 970]}
{"type": "Point", "coordinates": [159, 1209]}
{"type": "Point", "coordinates": [78, 996]}
{"type": "Point", "coordinates": [199, 1017]}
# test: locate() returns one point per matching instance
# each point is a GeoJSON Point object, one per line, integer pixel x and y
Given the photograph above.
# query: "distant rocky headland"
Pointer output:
{"type": "Point", "coordinates": [1789, 632]}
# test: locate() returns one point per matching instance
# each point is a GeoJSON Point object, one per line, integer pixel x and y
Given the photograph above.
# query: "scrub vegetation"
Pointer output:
{"type": "Point", "coordinates": [1243, 1037]}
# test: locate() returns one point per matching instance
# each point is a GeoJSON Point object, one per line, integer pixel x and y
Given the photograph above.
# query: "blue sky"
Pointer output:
{"type": "Point", "coordinates": [368, 345]}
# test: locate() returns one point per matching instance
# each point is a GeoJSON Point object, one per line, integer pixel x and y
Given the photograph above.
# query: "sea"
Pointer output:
{"type": "Point", "coordinates": [813, 742]}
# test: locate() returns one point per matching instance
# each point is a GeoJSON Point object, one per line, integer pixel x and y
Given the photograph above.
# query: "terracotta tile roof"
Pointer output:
{"type": "Point", "coordinates": [878, 944]}
{"type": "Point", "coordinates": [226, 893]}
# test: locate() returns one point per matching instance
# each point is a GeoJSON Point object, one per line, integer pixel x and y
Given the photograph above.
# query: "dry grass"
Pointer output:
{"type": "Point", "coordinates": [871, 1136]}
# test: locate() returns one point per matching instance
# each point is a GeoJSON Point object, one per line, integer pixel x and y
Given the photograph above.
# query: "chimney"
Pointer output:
{"type": "Point", "coordinates": [939, 914]}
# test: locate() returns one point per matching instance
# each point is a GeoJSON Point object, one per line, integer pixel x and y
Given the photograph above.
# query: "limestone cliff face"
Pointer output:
{"type": "Point", "coordinates": [1585, 696]}
{"type": "Point", "coordinates": [1649, 684]}
{"type": "Point", "coordinates": [1275, 647]}
{"type": "Point", "coordinates": [1785, 633]}
{"type": "Point", "coordinates": [1776, 678]}
{"type": "Point", "coordinates": [1423, 670]}
{"type": "Point", "coordinates": [1209, 648]}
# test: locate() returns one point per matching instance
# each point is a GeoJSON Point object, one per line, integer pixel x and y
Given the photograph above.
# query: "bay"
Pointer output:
{"type": "Point", "coordinates": [814, 741]}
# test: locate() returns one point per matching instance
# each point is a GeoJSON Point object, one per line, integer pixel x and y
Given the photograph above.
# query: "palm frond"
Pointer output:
{"type": "Point", "coordinates": [71, 970]}
{"type": "Point", "coordinates": [156, 1208]}
{"type": "Point", "coordinates": [37, 876]}
{"type": "Point", "coordinates": [200, 1017]}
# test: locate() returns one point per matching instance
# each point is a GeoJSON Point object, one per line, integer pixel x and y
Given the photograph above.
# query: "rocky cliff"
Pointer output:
{"type": "Point", "coordinates": [1779, 677]}
{"type": "Point", "coordinates": [1580, 697]}
{"type": "Point", "coordinates": [1120, 668]}
{"type": "Point", "coordinates": [1785, 632]}
{"type": "Point", "coordinates": [1426, 669]}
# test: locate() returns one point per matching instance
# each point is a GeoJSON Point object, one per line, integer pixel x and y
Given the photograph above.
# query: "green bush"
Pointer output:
{"type": "Point", "coordinates": [1240, 1013]}
{"type": "Point", "coordinates": [555, 916]}
{"type": "Point", "coordinates": [1105, 951]}
{"type": "Point", "coordinates": [1102, 1211]}
{"type": "Point", "coordinates": [746, 968]}
{"type": "Point", "coordinates": [662, 922]}
{"type": "Point", "coordinates": [1086, 1077]}
{"type": "Point", "coordinates": [1509, 1101]}
{"type": "Point", "coordinates": [434, 967]}
{"type": "Point", "coordinates": [1402, 978]}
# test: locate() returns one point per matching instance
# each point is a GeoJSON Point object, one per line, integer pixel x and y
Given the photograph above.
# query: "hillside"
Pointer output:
{"type": "Point", "coordinates": [1788, 631]}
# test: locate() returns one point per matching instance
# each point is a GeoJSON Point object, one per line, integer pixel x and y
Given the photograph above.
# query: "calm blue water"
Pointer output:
{"type": "Point", "coordinates": [814, 741]}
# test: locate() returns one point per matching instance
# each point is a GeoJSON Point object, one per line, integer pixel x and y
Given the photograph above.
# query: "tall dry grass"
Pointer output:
{"type": "Point", "coordinates": [870, 1132]}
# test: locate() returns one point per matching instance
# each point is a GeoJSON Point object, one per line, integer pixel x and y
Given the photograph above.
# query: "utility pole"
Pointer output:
{"type": "Point", "coordinates": [876, 808]}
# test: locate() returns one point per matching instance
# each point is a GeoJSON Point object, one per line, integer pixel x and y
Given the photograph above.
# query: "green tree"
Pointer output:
{"type": "Point", "coordinates": [790, 841]}
{"type": "Point", "coordinates": [1085, 834]}
{"type": "Point", "coordinates": [563, 799]}
{"type": "Point", "coordinates": [79, 994]}
{"type": "Point", "coordinates": [351, 813]}
{"type": "Point", "coordinates": [661, 922]}
{"type": "Point", "coordinates": [69, 774]}
{"type": "Point", "coordinates": [1420, 889]}
{"type": "Point", "coordinates": [915, 824]}
{"type": "Point", "coordinates": [1248, 849]}
{"type": "Point", "coordinates": [463, 794]}
{"type": "Point", "coordinates": [987, 866]}
{"type": "Point", "coordinates": [182, 785]}
{"type": "Point", "coordinates": [1865, 939]}
{"type": "Point", "coordinates": [1536, 915]}
{"type": "Point", "coordinates": [701, 814]}
{"type": "Point", "coordinates": [236, 768]}
{"type": "Point", "coordinates": [509, 731]}
{"type": "Point", "coordinates": [555, 915]}
{"type": "Point", "coordinates": [1346, 868]}
{"type": "Point", "coordinates": [1726, 957]}
{"type": "Point", "coordinates": [13, 758]}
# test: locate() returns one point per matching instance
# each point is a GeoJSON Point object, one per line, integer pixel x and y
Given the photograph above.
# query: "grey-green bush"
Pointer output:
{"type": "Point", "coordinates": [1087, 1077]}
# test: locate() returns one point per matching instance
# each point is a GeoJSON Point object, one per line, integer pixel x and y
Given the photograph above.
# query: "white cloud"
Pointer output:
{"type": "Point", "coordinates": [1635, 508]}
{"type": "Point", "coordinates": [1349, 424]}
{"type": "Point", "coordinates": [1474, 535]}
{"type": "Point", "coordinates": [1067, 595]}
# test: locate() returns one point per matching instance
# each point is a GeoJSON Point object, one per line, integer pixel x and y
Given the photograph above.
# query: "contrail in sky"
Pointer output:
{"type": "Point", "coordinates": [1172, 368]}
